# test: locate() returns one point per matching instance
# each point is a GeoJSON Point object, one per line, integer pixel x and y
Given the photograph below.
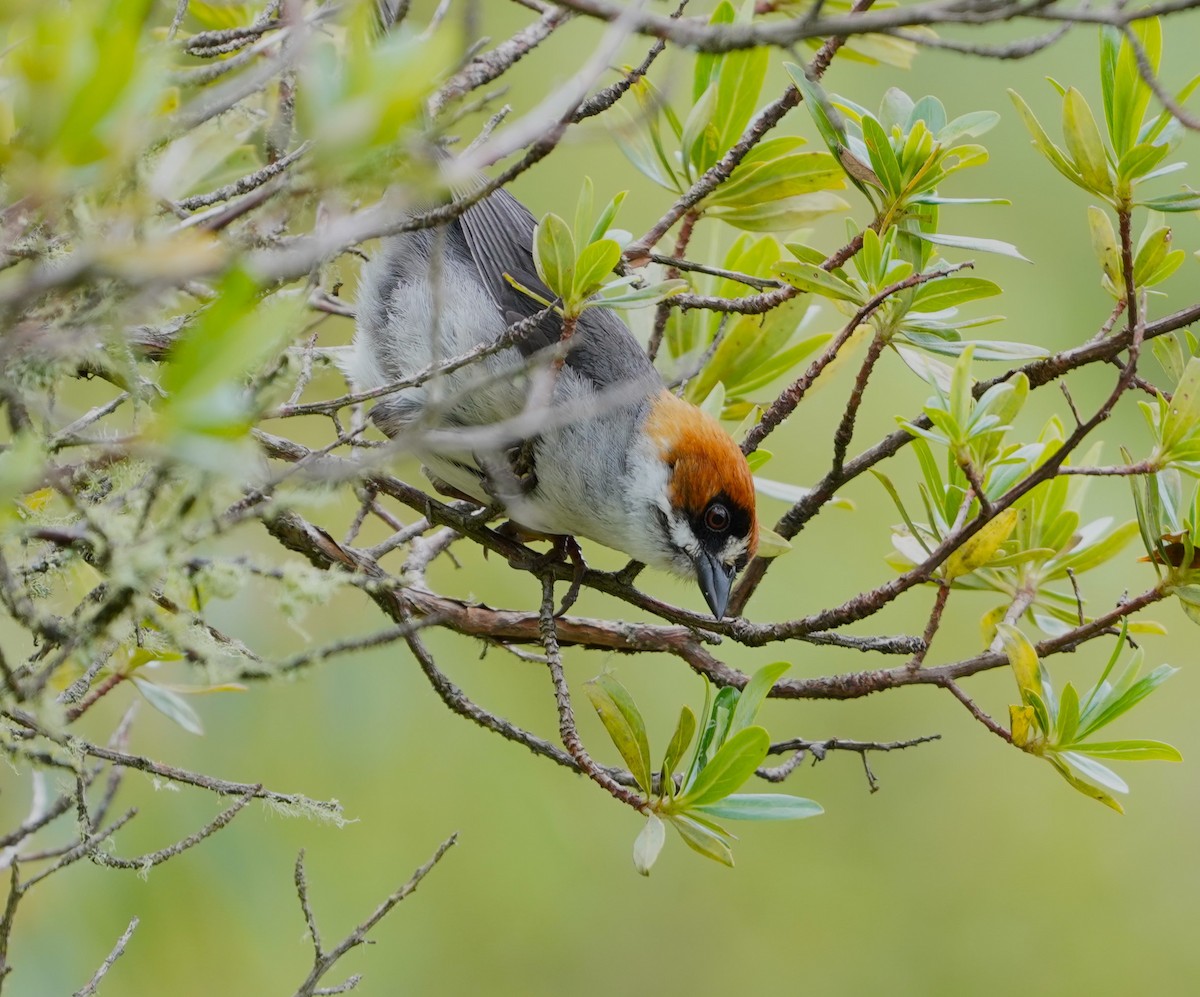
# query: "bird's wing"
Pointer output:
{"type": "Point", "coordinates": [499, 235]}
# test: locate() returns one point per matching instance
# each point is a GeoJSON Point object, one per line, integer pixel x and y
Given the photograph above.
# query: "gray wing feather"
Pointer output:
{"type": "Point", "coordinates": [499, 231]}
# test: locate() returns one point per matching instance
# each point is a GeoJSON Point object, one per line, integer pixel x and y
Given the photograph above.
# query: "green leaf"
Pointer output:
{"type": "Point", "coordinates": [1183, 416]}
{"type": "Point", "coordinates": [832, 128]}
{"type": "Point", "coordinates": [729, 768]}
{"type": "Point", "coordinates": [739, 84]}
{"type": "Point", "coordinates": [583, 212]}
{"type": "Point", "coordinates": [1184, 201]}
{"type": "Point", "coordinates": [782, 362]}
{"type": "Point", "coordinates": [170, 704]}
{"type": "Point", "coordinates": [1068, 716]}
{"type": "Point", "coordinates": [717, 712]}
{"type": "Point", "coordinates": [1128, 699]}
{"type": "Point", "coordinates": [1140, 160]}
{"type": "Point", "coordinates": [807, 277]}
{"type": "Point", "coordinates": [22, 465]}
{"type": "Point", "coordinates": [708, 64]}
{"type": "Point", "coordinates": [1153, 250]}
{"type": "Point", "coordinates": [784, 215]}
{"type": "Point", "coordinates": [648, 844]}
{"type": "Point", "coordinates": [1042, 141]}
{"type": "Point", "coordinates": [1165, 122]}
{"type": "Point", "coordinates": [948, 292]}
{"type": "Point", "coordinates": [753, 694]}
{"type": "Point", "coordinates": [970, 125]}
{"type": "Point", "coordinates": [1104, 245]}
{"type": "Point", "coordinates": [631, 138]}
{"type": "Point", "coordinates": [1169, 264]}
{"type": "Point", "coordinates": [1110, 46]}
{"type": "Point", "coordinates": [787, 176]}
{"type": "Point", "coordinates": [770, 543]}
{"type": "Point", "coordinates": [931, 111]}
{"type": "Point", "coordinates": [1026, 667]}
{"type": "Point", "coordinates": [895, 109]}
{"type": "Point", "coordinates": [1130, 751]}
{"type": "Point", "coordinates": [604, 222]}
{"type": "Point", "coordinates": [685, 730]}
{"type": "Point", "coordinates": [555, 256]}
{"type": "Point", "coordinates": [915, 533]}
{"type": "Point", "coordinates": [595, 263]}
{"type": "Point", "coordinates": [1084, 786]}
{"type": "Point", "coordinates": [707, 839]}
{"type": "Point", "coordinates": [698, 122]}
{"type": "Point", "coordinates": [758, 458]}
{"type": "Point", "coordinates": [970, 242]}
{"type": "Point", "coordinates": [883, 157]}
{"type": "Point", "coordinates": [207, 400]}
{"type": "Point", "coordinates": [1045, 722]}
{"type": "Point", "coordinates": [1084, 143]}
{"type": "Point", "coordinates": [623, 721]}
{"type": "Point", "coordinates": [763, 806]}
{"type": "Point", "coordinates": [1094, 772]}
{"type": "Point", "coordinates": [939, 199]}
{"type": "Point", "coordinates": [827, 119]}
{"type": "Point", "coordinates": [1092, 554]}
{"type": "Point", "coordinates": [212, 352]}
{"type": "Point", "coordinates": [1131, 95]}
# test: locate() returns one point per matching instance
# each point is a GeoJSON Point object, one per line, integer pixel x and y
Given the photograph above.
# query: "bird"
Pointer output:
{"type": "Point", "coordinates": [616, 457]}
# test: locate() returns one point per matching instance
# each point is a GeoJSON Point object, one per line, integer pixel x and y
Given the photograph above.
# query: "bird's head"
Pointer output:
{"type": "Point", "coordinates": [704, 517]}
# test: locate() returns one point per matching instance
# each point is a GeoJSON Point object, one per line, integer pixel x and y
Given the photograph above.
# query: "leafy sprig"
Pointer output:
{"type": "Point", "coordinates": [1059, 726]}
{"type": "Point", "coordinates": [899, 158]}
{"type": "Point", "coordinates": [1038, 543]}
{"type": "Point", "coordinates": [577, 262]}
{"type": "Point", "coordinates": [729, 746]}
{"type": "Point", "coordinates": [776, 187]}
{"type": "Point", "coordinates": [1137, 144]}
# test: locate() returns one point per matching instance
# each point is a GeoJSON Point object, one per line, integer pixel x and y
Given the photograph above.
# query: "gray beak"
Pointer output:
{"type": "Point", "coordinates": [716, 580]}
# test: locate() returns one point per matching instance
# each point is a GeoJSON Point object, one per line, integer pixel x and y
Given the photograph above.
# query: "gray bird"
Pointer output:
{"type": "Point", "coordinates": [618, 459]}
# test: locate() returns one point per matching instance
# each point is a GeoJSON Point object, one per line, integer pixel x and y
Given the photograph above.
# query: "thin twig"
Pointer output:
{"type": "Point", "coordinates": [118, 950]}
{"type": "Point", "coordinates": [324, 961]}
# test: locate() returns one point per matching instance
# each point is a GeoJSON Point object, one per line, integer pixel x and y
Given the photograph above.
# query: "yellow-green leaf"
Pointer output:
{"type": "Point", "coordinates": [555, 257]}
{"type": "Point", "coordinates": [982, 547]}
{"type": "Point", "coordinates": [1024, 730]}
{"type": "Point", "coordinates": [1023, 658]}
{"type": "Point", "coordinates": [1104, 245]}
{"type": "Point", "coordinates": [1084, 143]}
{"type": "Point", "coordinates": [624, 724]}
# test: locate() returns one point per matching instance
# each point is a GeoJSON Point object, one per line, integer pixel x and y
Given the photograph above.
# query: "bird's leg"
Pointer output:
{"type": "Point", "coordinates": [566, 547]}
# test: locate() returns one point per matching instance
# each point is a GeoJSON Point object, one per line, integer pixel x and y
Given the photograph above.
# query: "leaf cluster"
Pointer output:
{"type": "Point", "coordinates": [577, 262]}
{"type": "Point", "coordinates": [1025, 551]}
{"type": "Point", "coordinates": [776, 187]}
{"type": "Point", "coordinates": [1059, 726]}
{"type": "Point", "coordinates": [692, 796]}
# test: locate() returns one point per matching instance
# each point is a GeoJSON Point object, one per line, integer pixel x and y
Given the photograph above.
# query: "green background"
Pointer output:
{"type": "Point", "coordinates": [974, 869]}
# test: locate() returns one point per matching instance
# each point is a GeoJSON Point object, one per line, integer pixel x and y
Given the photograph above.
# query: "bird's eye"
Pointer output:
{"type": "Point", "coordinates": [716, 518]}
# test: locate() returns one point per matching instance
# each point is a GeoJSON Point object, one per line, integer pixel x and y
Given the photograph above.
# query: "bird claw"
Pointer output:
{"type": "Point", "coordinates": [579, 568]}
{"type": "Point", "coordinates": [565, 548]}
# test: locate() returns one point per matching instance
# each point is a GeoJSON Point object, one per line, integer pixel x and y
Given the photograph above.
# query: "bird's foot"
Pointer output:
{"type": "Point", "coordinates": [570, 551]}
{"type": "Point", "coordinates": [564, 548]}
{"type": "Point", "coordinates": [521, 464]}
